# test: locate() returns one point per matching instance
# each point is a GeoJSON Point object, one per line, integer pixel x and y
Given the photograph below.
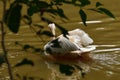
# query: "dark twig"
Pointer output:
{"type": "Point", "coordinates": [3, 41]}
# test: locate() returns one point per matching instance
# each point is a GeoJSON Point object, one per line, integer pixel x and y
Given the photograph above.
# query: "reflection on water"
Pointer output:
{"type": "Point", "coordinates": [105, 33]}
{"type": "Point", "coordinates": [76, 71]}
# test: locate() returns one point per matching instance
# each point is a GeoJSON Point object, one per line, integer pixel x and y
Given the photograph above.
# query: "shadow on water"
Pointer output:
{"type": "Point", "coordinates": [68, 71]}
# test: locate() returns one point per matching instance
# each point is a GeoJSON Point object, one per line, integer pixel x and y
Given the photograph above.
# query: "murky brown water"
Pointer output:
{"type": "Point", "coordinates": [103, 30]}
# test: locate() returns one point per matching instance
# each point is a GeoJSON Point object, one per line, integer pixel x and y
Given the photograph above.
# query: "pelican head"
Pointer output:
{"type": "Point", "coordinates": [52, 28]}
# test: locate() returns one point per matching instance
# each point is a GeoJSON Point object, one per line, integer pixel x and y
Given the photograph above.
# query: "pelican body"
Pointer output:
{"type": "Point", "coordinates": [75, 46]}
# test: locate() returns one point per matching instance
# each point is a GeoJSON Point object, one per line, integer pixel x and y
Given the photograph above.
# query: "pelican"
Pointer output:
{"type": "Point", "coordinates": [74, 47]}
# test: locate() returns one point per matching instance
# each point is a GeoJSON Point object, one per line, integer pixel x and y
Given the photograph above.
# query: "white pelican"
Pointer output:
{"type": "Point", "coordinates": [74, 47]}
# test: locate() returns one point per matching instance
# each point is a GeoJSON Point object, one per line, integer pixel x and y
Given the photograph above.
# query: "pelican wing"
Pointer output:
{"type": "Point", "coordinates": [60, 45]}
{"type": "Point", "coordinates": [80, 37]}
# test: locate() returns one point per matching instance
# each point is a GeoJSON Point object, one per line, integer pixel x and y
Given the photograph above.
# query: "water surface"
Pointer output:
{"type": "Point", "coordinates": [103, 30]}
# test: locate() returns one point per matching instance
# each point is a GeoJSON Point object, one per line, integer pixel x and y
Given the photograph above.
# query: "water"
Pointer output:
{"type": "Point", "coordinates": [103, 30]}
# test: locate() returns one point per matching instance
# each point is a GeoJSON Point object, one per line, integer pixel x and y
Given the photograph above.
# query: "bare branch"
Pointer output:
{"type": "Point", "coordinates": [3, 41]}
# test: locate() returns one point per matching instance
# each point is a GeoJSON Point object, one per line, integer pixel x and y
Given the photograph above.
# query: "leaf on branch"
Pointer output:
{"type": "Point", "coordinates": [36, 6]}
{"type": "Point", "coordinates": [85, 2]}
{"type": "Point", "coordinates": [52, 11]}
{"type": "Point", "coordinates": [42, 4]}
{"type": "Point", "coordinates": [46, 33]}
{"type": "Point", "coordinates": [98, 4]}
{"type": "Point", "coordinates": [39, 26]}
{"type": "Point", "coordinates": [57, 11]}
{"type": "Point", "coordinates": [60, 12]}
{"type": "Point", "coordinates": [25, 62]}
{"type": "Point", "coordinates": [83, 16]}
{"type": "Point", "coordinates": [22, 1]}
{"type": "Point", "coordinates": [32, 9]}
{"type": "Point", "coordinates": [107, 12]}
{"type": "Point", "coordinates": [13, 17]}
{"type": "Point", "coordinates": [57, 2]}
{"type": "Point", "coordinates": [46, 20]}
{"type": "Point", "coordinates": [63, 30]}
{"type": "Point", "coordinates": [96, 10]}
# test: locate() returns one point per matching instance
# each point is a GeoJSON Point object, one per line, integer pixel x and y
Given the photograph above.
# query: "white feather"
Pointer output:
{"type": "Point", "coordinates": [76, 42]}
{"type": "Point", "coordinates": [65, 46]}
{"type": "Point", "coordinates": [80, 37]}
